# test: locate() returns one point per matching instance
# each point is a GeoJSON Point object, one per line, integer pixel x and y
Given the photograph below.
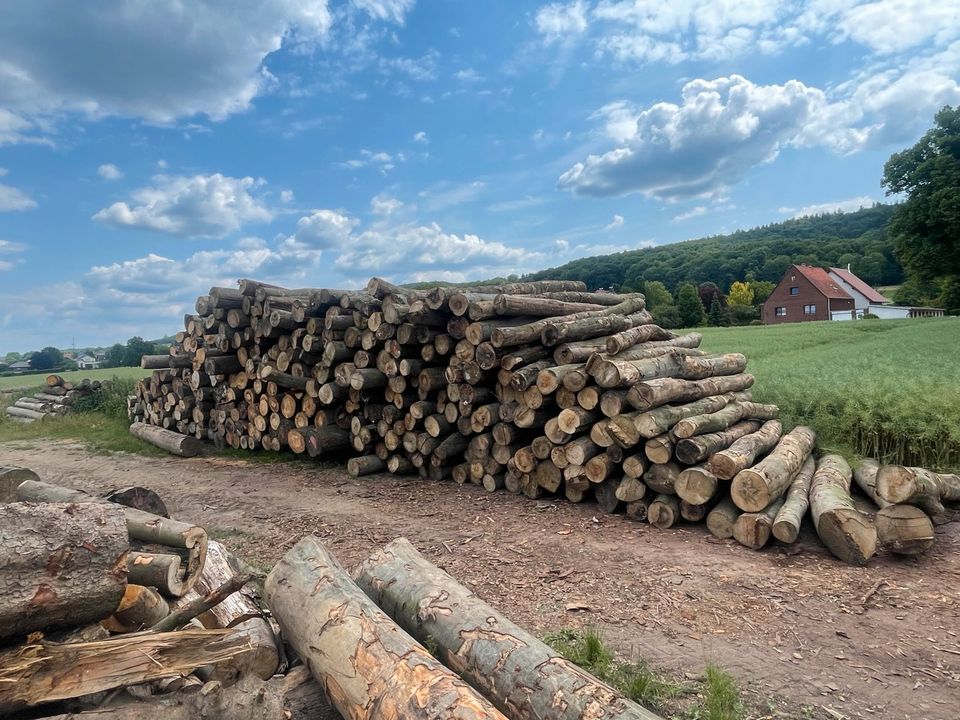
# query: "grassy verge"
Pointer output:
{"type": "Point", "coordinates": [883, 388]}
{"type": "Point", "coordinates": [12, 382]}
{"type": "Point", "coordinates": [716, 697]}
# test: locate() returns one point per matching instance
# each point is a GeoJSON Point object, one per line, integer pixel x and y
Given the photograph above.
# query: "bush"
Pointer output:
{"type": "Point", "coordinates": [870, 316]}
{"type": "Point", "coordinates": [110, 399]}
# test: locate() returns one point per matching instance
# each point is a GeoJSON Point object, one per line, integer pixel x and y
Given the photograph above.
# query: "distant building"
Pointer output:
{"type": "Point", "coordinates": [20, 366]}
{"type": "Point", "coordinates": [87, 362]}
{"type": "Point", "coordinates": [812, 293]}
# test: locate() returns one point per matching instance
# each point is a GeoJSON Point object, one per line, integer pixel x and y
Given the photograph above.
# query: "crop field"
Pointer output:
{"type": "Point", "coordinates": [36, 379]}
{"type": "Point", "coordinates": [885, 388]}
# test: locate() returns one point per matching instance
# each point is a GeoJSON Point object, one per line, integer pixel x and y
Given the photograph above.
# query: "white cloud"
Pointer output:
{"type": "Point", "coordinates": [384, 205]}
{"type": "Point", "coordinates": [8, 248]}
{"type": "Point", "coordinates": [12, 199]}
{"type": "Point", "coordinates": [699, 148]}
{"type": "Point", "coordinates": [520, 204]}
{"type": "Point", "coordinates": [692, 213]}
{"type": "Point", "coordinates": [198, 206]}
{"type": "Point", "coordinates": [391, 10]}
{"type": "Point", "coordinates": [619, 120]}
{"type": "Point", "coordinates": [558, 22]}
{"type": "Point", "coordinates": [468, 75]}
{"type": "Point", "coordinates": [891, 26]}
{"type": "Point", "coordinates": [617, 222]}
{"type": "Point", "coordinates": [422, 69]}
{"type": "Point", "coordinates": [369, 158]}
{"type": "Point", "coordinates": [851, 205]}
{"type": "Point", "coordinates": [322, 229]}
{"type": "Point", "coordinates": [158, 45]}
{"type": "Point", "coordinates": [286, 196]}
{"type": "Point", "coordinates": [109, 171]}
{"type": "Point", "coordinates": [421, 137]}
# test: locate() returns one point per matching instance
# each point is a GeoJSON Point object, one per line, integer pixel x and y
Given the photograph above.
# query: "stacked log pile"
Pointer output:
{"type": "Point", "coordinates": [56, 398]}
{"type": "Point", "coordinates": [536, 388]}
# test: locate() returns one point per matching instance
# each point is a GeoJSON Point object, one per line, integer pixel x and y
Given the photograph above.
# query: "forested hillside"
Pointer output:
{"type": "Point", "coordinates": [762, 253]}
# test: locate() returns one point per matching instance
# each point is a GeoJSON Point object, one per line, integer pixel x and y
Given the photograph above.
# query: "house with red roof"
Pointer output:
{"type": "Point", "coordinates": [813, 293]}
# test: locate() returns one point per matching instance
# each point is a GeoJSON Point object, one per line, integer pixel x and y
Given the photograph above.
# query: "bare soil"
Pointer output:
{"type": "Point", "coordinates": [805, 635]}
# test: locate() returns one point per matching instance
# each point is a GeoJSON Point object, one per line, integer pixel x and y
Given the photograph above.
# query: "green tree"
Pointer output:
{"type": "Point", "coordinates": [12, 357]}
{"type": "Point", "coordinates": [740, 294]}
{"type": "Point", "coordinates": [761, 290]}
{"type": "Point", "coordinates": [136, 347]}
{"type": "Point", "coordinates": [689, 306]}
{"type": "Point", "coordinates": [656, 294]}
{"type": "Point", "coordinates": [47, 358]}
{"type": "Point", "coordinates": [667, 316]}
{"type": "Point", "coordinates": [950, 298]}
{"type": "Point", "coordinates": [926, 226]}
{"type": "Point", "coordinates": [116, 355]}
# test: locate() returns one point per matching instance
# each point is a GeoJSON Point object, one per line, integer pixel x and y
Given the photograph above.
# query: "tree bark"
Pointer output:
{"type": "Point", "coordinates": [917, 486]}
{"type": "Point", "coordinates": [18, 412]}
{"type": "Point", "coordinates": [698, 448]}
{"type": "Point", "coordinates": [43, 672]}
{"type": "Point", "coordinates": [845, 531]}
{"type": "Point", "coordinates": [140, 608]}
{"type": "Point", "coordinates": [521, 675]}
{"type": "Point", "coordinates": [631, 489]}
{"type": "Point", "coordinates": [175, 443]}
{"type": "Point", "coordinates": [656, 422]}
{"type": "Point", "coordinates": [531, 333]}
{"type": "Point", "coordinates": [743, 452]}
{"type": "Point", "coordinates": [786, 526]}
{"type": "Point", "coordinates": [654, 393]}
{"type": "Point", "coordinates": [724, 418]}
{"type": "Point", "coordinates": [662, 477]}
{"type": "Point", "coordinates": [904, 530]}
{"type": "Point", "coordinates": [365, 465]}
{"type": "Point", "coordinates": [61, 564]}
{"type": "Point", "coordinates": [369, 667]}
{"type": "Point", "coordinates": [755, 488]}
{"type": "Point", "coordinates": [642, 333]}
{"type": "Point", "coordinates": [539, 306]}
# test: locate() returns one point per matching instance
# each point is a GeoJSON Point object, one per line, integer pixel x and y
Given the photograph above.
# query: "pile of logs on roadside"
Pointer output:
{"type": "Point", "coordinates": [79, 639]}
{"type": "Point", "coordinates": [56, 398]}
{"type": "Point", "coordinates": [540, 388]}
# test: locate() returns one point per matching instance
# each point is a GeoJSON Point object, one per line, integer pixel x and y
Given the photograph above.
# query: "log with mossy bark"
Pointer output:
{"type": "Point", "coordinates": [724, 418]}
{"type": "Point", "coordinates": [786, 525]}
{"type": "Point", "coordinates": [744, 451]}
{"type": "Point", "coordinates": [519, 673]}
{"type": "Point", "coordinates": [698, 448]}
{"type": "Point", "coordinates": [654, 393]}
{"type": "Point", "coordinates": [722, 518]}
{"type": "Point", "coordinates": [173, 442]}
{"type": "Point", "coordinates": [753, 529]}
{"type": "Point", "coordinates": [696, 485]}
{"type": "Point", "coordinates": [848, 534]}
{"type": "Point", "coordinates": [368, 666]}
{"type": "Point", "coordinates": [615, 320]}
{"type": "Point", "coordinates": [756, 487]}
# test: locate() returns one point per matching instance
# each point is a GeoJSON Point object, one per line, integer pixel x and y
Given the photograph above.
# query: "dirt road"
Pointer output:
{"type": "Point", "coordinates": [805, 635]}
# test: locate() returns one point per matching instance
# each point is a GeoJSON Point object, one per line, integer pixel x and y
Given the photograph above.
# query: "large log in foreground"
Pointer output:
{"type": "Point", "coordinates": [369, 667]}
{"type": "Point", "coordinates": [38, 673]}
{"type": "Point", "coordinates": [917, 486]}
{"type": "Point", "coordinates": [843, 529]}
{"type": "Point", "coordinates": [61, 564]}
{"type": "Point", "coordinates": [520, 674]}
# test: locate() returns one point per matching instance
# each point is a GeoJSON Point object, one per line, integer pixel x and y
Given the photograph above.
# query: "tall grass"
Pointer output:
{"type": "Point", "coordinates": [888, 389]}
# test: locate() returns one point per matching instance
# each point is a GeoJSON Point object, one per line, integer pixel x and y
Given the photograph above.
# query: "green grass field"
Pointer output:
{"type": "Point", "coordinates": [33, 380]}
{"type": "Point", "coordinates": [885, 388]}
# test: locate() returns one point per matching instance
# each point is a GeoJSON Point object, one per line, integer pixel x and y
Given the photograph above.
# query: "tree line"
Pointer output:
{"type": "Point", "coordinates": [117, 355]}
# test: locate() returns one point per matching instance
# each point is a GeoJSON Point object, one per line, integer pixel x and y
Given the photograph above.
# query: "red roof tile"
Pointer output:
{"type": "Point", "coordinates": [822, 281]}
{"type": "Point", "coordinates": [859, 285]}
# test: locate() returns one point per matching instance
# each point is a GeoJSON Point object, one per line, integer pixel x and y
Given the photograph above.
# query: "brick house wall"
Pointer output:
{"type": "Point", "coordinates": [796, 306]}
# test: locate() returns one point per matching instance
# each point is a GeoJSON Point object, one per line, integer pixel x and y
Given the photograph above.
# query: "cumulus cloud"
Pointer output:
{"type": "Point", "coordinates": [698, 148]}
{"type": "Point", "coordinates": [198, 206]}
{"type": "Point", "coordinates": [322, 229]}
{"type": "Point", "coordinates": [109, 172]}
{"type": "Point", "coordinates": [158, 46]}
{"type": "Point", "coordinates": [558, 22]}
{"type": "Point", "coordinates": [468, 75]}
{"type": "Point", "coordinates": [421, 137]}
{"type": "Point", "coordinates": [384, 205]}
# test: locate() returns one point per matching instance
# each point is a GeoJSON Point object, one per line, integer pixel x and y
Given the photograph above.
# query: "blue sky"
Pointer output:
{"type": "Point", "coordinates": [150, 150]}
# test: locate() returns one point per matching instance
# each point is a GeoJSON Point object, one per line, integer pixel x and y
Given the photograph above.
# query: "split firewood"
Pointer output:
{"type": "Point", "coordinates": [41, 672]}
{"type": "Point", "coordinates": [63, 564]}
{"type": "Point", "coordinates": [520, 674]}
{"type": "Point", "coordinates": [846, 532]}
{"type": "Point", "coordinates": [786, 526]}
{"type": "Point", "coordinates": [756, 487]}
{"type": "Point", "coordinates": [368, 666]}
